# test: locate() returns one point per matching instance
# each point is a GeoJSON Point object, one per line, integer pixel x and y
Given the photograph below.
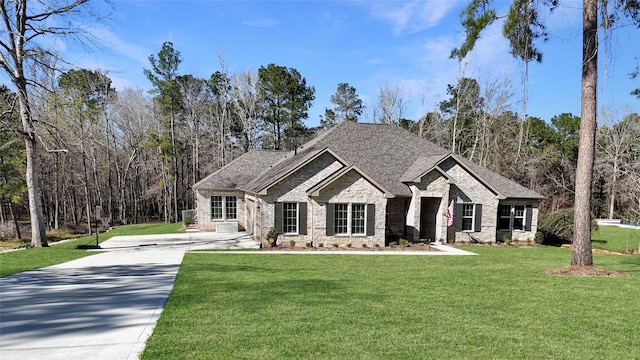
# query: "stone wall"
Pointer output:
{"type": "Point", "coordinates": [521, 235]}
{"type": "Point", "coordinates": [468, 189]}
{"type": "Point", "coordinates": [350, 188]}
{"type": "Point", "coordinates": [203, 201]}
{"type": "Point", "coordinates": [294, 189]}
{"type": "Point", "coordinates": [432, 185]}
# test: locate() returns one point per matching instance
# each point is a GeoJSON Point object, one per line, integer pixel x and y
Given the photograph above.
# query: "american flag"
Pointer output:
{"type": "Point", "coordinates": [450, 214]}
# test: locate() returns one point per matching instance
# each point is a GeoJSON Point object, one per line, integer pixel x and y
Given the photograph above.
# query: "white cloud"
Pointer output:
{"type": "Point", "coordinates": [115, 45]}
{"type": "Point", "coordinates": [262, 23]}
{"type": "Point", "coordinates": [413, 16]}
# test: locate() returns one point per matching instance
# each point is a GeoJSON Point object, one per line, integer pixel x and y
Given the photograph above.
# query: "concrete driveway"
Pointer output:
{"type": "Point", "coordinates": [102, 306]}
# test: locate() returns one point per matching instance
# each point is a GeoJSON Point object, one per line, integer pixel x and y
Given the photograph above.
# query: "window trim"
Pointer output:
{"type": "Point", "coordinates": [227, 207]}
{"type": "Point", "coordinates": [221, 207]}
{"type": "Point", "coordinates": [224, 201]}
{"type": "Point", "coordinates": [336, 219]}
{"type": "Point", "coordinates": [284, 218]}
{"type": "Point", "coordinates": [349, 219]}
{"type": "Point", "coordinates": [472, 217]}
{"type": "Point", "coordinates": [512, 217]}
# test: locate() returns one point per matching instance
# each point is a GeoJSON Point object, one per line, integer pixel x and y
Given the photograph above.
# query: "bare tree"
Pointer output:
{"type": "Point", "coordinates": [247, 104]}
{"type": "Point", "coordinates": [391, 105]}
{"type": "Point", "coordinates": [24, 27]}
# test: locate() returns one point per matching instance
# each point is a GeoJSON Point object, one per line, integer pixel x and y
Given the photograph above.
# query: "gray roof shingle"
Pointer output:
{"type": "Point", "coordinates": [388, 154]}
{"type": "Point", "coordinates": [238, 173]}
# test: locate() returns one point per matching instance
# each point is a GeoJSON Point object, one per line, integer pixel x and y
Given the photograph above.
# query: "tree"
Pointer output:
{"type": "Point", "coordinates": [25, 30]}
{"type": "Point", "coordinates": [248, 107]}
{"type": "Point", "coordinates": [164, 78]}
{"type": "Point", "coordinates": [618, 144]}
{"type": "Point", "coordinates": [463, 108]}
{"type": "Point", "coordinates": [85, 95]}
{"type": "Point", "coordinates": [522, 28]}
{"type": "Point", "coordinates": [12, 185]}
{"type": "Point", "coordinates": [347, 106]}
{"type": "Point", "coordinates": [287, 99]}
{"type": "Point", "coordinates": [391, 105]}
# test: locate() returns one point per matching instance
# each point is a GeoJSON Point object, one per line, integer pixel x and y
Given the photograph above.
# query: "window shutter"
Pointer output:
{"type": "Point", "coordinates": [371, 219]}
{"type": "Point", "coordinates": [478, 220]}
{"type": "Point", "coordinates": [302, 218]}
{"type": "Point", "coordinates": [457, 217]}
{"type": "Point", "coordinates": [330, 217]}
{"type": "Point", "coordinates": [277, 217]}
{"type": "Point", "coordinates": [528, 219]}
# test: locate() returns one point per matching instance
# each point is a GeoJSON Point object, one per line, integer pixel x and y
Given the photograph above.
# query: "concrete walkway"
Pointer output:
{"type": "Point", "coordinates": [98, 307]}
{"type": "Point", "coordinates": [105, 306]}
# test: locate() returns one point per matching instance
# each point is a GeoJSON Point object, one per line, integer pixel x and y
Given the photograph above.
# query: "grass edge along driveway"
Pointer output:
{"type": "Point", "coordinates": [498, 305]}
{"type": "Point", "coordinates": [14, 262]}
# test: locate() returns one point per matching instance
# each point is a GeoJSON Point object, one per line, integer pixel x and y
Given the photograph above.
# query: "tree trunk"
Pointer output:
{"type": "Point", "coordinates": [38, 230]}
{"type": "Point", "coordinates": [581, 254]}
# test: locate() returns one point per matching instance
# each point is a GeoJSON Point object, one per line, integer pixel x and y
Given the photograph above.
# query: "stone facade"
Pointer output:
{"type": "Point", "coordinates": [433, 185]}
{"type": "Point", "coordinates": [349, 188]}
{"type": "Point", "coordinates": [203, 201]}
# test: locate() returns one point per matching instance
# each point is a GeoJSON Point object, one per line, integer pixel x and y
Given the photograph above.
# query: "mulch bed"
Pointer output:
{"type": "Point", "coordinates": [586, 271]}
{"type": "Point", "coordinates": [414, 247]}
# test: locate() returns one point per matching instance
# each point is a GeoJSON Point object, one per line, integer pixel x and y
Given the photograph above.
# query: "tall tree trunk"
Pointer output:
{"type": "Point", "coordinates": [581, 254]}
{"type": "Point", "coordinates": [614, 184]}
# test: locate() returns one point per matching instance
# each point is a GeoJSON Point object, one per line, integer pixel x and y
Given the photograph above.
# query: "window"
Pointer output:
{"type": "Point", "coordinates": [504, 217]}
{"type": "Point", "coordinates": [514, 217]}
{"type": "Point", "coordinates": [216, 207]}
{"type": "Point", "coordinates": [348, 219]}
{"type": "Point", "coordinates": [341, 220]}
{"type": "Point", "coordinates": [224, 207]}
{"type": "Point", "coordinates": [357, 219]}
{"type": "Point", "coordinates": [290, 218]}
{"type": "Point", "coordinates": [231, 207]}
{"type": "Point", "coordinates": [467, 217]}
{"type": "Point", "coordinates": [518, 217]}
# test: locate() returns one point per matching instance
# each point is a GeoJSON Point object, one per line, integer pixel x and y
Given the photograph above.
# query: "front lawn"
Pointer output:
{"type": "Point", "coordinates": [33, 258]}
{"type": "Point", "coordinates": [498, 305]}
{"type": "Point", "coordinates": [615, 238]}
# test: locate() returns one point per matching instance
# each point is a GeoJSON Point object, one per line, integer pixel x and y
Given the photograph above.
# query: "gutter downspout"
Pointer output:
{"type": "Point", "coordinates": [313, 239]}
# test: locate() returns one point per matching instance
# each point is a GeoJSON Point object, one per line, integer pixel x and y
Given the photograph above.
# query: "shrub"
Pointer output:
{"type": "Point", "coordinates": [348, 244]}
{"type": "Point", "coordinates": [272, 237]}
{"type": "Point", "coordinates": [335, 244]}
{"type": "Point", "coordinates": [320, 244]}
{"type": "Point", "coordinates": [308, 244]}
{"type": "Point", "coordinates": [376, 245]}
{"type": "Point", "coordinates": [539, 237]}
{"type": "Point", "coordinates": [393, 244]}
{"type": "Point", "coordinates": [404, 243]}
{"type": "Point", "coordinates": [292, 243]}
{"type": "Point", "coordinates": [364, 245]}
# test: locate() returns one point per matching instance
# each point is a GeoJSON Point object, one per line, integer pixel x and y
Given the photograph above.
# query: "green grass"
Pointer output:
{"type": "Point", "coordinates": [498, 305]}
{"type": "Point", "coordinates": [33, 258]}
{"type": "Point", "coordinates": [615, 238]}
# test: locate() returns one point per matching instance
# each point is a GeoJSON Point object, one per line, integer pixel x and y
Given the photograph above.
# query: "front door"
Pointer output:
{"type": "Point", "coordinates": [428, 216]}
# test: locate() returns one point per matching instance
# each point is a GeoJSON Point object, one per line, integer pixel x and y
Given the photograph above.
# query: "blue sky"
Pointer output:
{"type": "Point", "coordinates": [364, 43]}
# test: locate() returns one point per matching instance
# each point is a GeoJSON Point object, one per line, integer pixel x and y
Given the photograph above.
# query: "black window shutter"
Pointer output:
{"type": "Point", "coordinates": [371, 219]}
{"type": "Point", "coordinates": [277, 217]}
{"type": "Point", "coordinates": [302, 218]}
{"type": "Point", "coordinates": [457, 217]}
{"type": "Point", "coordinates": [330, 216]}
{"type": "Point", "coordinates": [478, 220]}
{"type": "Point", "coordinates": [529, 214]}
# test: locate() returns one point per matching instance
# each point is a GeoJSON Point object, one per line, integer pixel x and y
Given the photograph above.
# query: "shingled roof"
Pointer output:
{"type": "Point", "coordinates": [241, 171]}
{"type": "Point", "coordinates": [388, 154]}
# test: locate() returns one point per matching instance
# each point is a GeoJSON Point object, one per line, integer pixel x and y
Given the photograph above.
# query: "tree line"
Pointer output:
{"type": "Point", "coordinates": [136, 154]}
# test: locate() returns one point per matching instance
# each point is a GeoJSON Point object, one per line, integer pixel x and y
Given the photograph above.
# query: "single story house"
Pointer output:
{"type": "Point", "coordinates": [359, 183]}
